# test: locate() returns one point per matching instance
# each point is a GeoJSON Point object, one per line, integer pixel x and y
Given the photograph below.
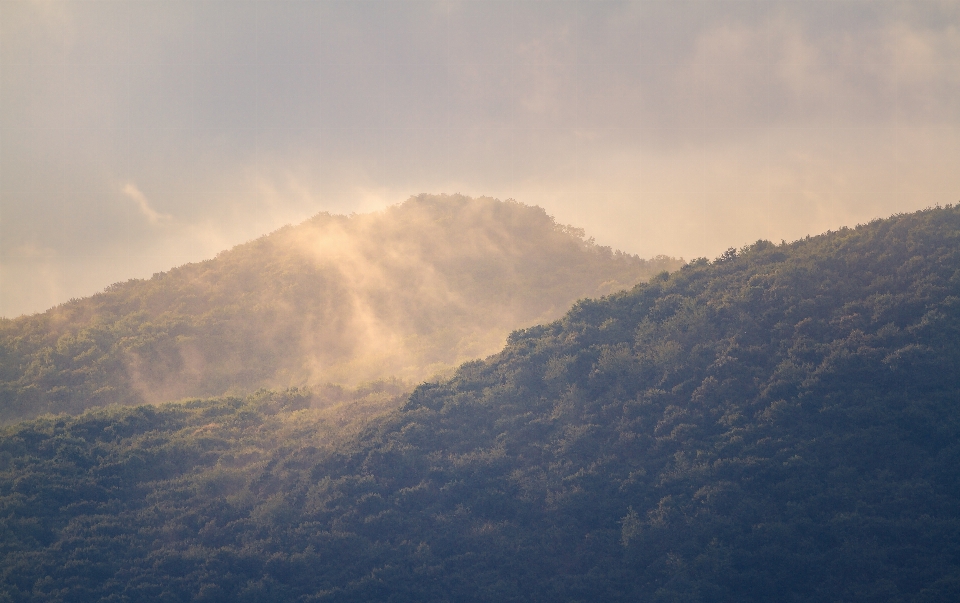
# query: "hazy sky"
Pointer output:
{"type": "Point", "coordinates": [139, 135]}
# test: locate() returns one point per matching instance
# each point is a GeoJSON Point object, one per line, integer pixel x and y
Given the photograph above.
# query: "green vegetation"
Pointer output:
{"type": "Point", "coordinates": [405, 293]}
{"type": "Point", "coordinates": [781, 424]}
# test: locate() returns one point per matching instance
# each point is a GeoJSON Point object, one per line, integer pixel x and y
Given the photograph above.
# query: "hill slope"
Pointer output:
{"type": "Point", "coordinates": [780, 424]}
{"type": "Point", "coordinates": [403, 293]}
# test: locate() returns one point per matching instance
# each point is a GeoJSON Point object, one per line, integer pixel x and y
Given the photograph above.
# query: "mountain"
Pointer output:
{"type": "Point", "coordinates": [400, 294]}
{"type": "Point", "coordinates": [780, 424]}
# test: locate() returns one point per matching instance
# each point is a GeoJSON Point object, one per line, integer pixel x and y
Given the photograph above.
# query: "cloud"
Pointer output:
{"type": "Point", "coordinates": [626, 118]}
{"type": "Point", "coordinates": [154, 217]}
{"type": "Point", "coordinates": [785, 70]}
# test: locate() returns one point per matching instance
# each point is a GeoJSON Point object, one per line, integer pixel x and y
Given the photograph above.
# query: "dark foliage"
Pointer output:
{"type": "Point", "coordinates": [780, 424]}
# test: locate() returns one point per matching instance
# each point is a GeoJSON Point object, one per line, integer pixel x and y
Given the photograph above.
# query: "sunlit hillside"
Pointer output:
{"type": "Point", "coordinates": [405, 293]}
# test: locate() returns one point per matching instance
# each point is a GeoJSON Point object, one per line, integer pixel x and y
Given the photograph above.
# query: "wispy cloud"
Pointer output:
{"type": "Point", "coordinates": [152, 215]}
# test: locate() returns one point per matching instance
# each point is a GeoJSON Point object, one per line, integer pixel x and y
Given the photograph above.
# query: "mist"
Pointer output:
{"type": "Point", "coordinates": [135, 137]}
{"type": "Point", "coordinates": [400, 295]}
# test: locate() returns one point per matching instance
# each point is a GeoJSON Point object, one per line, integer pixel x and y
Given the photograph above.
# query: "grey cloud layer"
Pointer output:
{"type": "Point", "coordinates": [140, 135]}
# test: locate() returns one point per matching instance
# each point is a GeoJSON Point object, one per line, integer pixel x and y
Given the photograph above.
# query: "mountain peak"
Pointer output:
{"type": "Point", "coordinates": [405, 292]}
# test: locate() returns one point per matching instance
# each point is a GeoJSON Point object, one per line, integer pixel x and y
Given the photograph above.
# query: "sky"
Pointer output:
{"type": "Point", "coordinates": [139, 135]}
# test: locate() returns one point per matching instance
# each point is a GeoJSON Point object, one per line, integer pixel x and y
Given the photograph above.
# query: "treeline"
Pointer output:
{"type": "Point", "coordinates": [405, 293]}
{"type": "Point", "coordinates": [782, 423]}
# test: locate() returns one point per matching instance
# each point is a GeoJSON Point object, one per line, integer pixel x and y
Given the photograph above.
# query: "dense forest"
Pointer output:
{"type": "Point", "coordinates": [781, 423]}
{"type": "Point", "coordinates": [405, 294]}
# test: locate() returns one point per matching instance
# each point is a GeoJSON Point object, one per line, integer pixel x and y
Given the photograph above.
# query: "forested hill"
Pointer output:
{"type": "Point", "coordinates": [781, 424]}
{"type": "Point", "coordinates": [402, 293]}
